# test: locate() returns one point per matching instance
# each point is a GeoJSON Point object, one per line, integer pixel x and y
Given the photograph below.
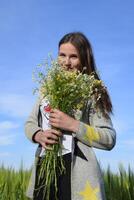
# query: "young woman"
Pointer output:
{"type": "Point", "coordinates": [83, 179]}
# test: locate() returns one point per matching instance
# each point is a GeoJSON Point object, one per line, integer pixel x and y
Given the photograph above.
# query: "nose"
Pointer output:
{"type": "Point", "coordinates": [67, 61]}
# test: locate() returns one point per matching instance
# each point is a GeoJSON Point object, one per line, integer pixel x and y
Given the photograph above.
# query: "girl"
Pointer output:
{"type": "Point", "coordinates": [83, 178]}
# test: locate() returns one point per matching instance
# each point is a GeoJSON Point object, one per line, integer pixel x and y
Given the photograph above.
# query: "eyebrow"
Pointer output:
{"type": "Point", "coordinates": [61, 53]}
{"type": "Point", "coordinates": [73, 54]}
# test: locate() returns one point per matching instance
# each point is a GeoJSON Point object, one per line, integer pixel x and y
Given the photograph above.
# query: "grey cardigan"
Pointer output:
{"type": "Point", "coordinates": [95, 131]}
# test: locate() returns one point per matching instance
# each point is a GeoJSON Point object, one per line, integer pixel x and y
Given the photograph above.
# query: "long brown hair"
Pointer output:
{"type": "Point", "coordinates": [85, 52]}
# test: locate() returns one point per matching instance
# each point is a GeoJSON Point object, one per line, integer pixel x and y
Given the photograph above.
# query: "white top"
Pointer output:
{"type": "Point", "coordinates": [66, 139]}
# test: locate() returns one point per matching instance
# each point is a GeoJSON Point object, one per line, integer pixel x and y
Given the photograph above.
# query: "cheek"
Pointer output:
{"type": "Point", "coordinates": [76, 63]}
{"type": "Point", "coordinates": [61, 60]}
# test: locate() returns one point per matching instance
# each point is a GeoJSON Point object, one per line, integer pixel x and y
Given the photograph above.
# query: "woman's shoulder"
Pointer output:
{"type": "Point", "coordinates": [97, 110]}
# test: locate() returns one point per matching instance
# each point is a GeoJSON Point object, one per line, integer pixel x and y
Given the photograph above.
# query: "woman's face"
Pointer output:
{"type": "Point", "coordinates": [68, 56]}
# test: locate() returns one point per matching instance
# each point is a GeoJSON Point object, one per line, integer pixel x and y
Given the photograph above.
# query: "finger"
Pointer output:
{"type": "Point", "coordinates": [49, 138]}
{"type": "Point", "coordinates": [58, 133]}
{"type": "Point", "coordinates": [47, 146]}
{"type": "Point", "coordinates": [55, 116]}
{"type": "Point", "coordinates": [50, 141]}
{"type": "Point", "coordinates": [55, 124]}
{"type": "Point", "coordinates": [53, 136]}
{"type": "Point", "coordinates": [55, 111]}
{"type": "Point", "coordinates": [51, 133]}
{"type": "Point", "coordinates": [53, 120]}
{"type": "Point", "coordinates": [52, 115]}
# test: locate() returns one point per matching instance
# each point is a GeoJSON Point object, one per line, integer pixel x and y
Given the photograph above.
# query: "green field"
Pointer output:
{"type": "Point", "coordinates": [118, 186]}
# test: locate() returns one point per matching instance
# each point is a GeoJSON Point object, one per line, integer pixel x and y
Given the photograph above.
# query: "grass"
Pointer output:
{"type": "Point", "coordinates": [118, 186]}
{"type": "Point", "coordinates": [13, 183]}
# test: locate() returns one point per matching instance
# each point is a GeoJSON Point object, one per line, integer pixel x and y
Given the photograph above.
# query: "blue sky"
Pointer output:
{"type": "Point", "coordinates": [31, 29]}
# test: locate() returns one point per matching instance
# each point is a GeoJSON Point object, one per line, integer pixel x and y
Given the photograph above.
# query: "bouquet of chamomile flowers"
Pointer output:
{"type": "Point", "coordinates": [68, 91]}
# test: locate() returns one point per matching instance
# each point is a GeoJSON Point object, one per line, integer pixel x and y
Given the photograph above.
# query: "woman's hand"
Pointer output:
{"type": "Point", "coordinates": [47, 137]}
{"type": "Point", "coordinates": [63, 121]}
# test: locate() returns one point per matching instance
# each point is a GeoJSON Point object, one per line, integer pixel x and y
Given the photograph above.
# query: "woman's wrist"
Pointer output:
{"type": "Point", "coordinates": [36, 136]}
{"type": "Point", "coordinates": [75, 126]}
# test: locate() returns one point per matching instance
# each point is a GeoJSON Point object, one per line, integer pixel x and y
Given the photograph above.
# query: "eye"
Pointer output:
{"type": "Point", "coordinates": [74, 56]}
{"type": "Point", "coordinates": [62, 55]}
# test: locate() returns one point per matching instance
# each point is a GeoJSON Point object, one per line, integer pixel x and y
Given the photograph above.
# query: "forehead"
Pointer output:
{"type": "Point", "coordinates": [68, 48]}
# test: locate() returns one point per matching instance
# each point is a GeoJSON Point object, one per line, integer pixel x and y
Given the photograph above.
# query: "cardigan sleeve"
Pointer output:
{"type": "Point", "coordinates": [99, 133]}
{"type": "Point", "coordinates": [32, 123]}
